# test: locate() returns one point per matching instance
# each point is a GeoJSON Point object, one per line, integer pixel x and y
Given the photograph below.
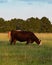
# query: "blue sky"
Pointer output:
{"type": "Point", "coordinates": [25, 9]}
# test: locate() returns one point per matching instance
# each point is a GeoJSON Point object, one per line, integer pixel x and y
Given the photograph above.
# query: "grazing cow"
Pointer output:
{"type": "Point", "coordinates": [21, 36]}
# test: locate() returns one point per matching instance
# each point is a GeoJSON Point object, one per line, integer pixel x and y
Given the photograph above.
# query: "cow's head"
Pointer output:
{"type": "Point", "coordinates": [39, 42]}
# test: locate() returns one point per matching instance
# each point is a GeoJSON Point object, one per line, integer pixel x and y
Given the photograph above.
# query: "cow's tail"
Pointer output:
{"type": "Point", "coordinates": [9, 35]}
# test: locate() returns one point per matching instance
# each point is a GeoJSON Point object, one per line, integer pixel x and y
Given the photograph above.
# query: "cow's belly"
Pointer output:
{"type": "Point", "coordinates": [21, 39]}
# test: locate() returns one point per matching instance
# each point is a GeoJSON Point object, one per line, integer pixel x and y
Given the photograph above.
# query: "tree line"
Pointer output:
{"type": "Point", "coordinates": [42, 25]}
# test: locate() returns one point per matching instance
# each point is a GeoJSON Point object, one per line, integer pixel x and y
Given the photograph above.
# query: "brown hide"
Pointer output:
{"type": "Point", "coordinates": [21, 36]}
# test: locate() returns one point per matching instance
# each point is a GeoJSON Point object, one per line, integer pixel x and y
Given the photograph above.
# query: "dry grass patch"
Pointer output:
{"type": "Point", "coordinates": [4, 37]}
{"type": "Point", "coordinates": [45, 37]}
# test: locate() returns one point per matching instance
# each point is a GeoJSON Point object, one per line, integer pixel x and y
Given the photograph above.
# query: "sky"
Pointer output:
{"type": "Point", "coordinates": [24, 9]}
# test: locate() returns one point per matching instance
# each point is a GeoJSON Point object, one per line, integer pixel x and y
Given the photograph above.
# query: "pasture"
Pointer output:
{"type": "Point", "coordinates": [22, 54]}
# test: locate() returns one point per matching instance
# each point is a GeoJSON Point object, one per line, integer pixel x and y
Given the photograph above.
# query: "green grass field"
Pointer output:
{"type": "Point", "coordinates": [21, 54]}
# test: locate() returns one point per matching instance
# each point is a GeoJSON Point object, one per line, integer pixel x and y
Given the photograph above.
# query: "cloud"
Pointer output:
{"type": "Point", "coordinates": [30, 1]}
{"type": "Point", "coordinates": [25, 1]}
{"type": "Point", "coordinates": [3, 1]}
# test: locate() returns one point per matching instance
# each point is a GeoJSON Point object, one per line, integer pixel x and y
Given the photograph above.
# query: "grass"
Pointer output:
{"type": "Point", "coordinates": [21, 54]}
{"type": "Point", "coordinates": [4, 37]}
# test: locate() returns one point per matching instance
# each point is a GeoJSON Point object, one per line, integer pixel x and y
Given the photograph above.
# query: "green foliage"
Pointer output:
{"type": "Point", "coordinates": [22, 54]}
{"type": "Point", "coordinates": [31, 24]}
{"type": "Point", "coordinates": [45, 25]}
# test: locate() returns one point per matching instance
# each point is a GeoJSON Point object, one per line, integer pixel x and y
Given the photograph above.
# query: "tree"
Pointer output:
{"type": "Point", "coordinates": [45, 24]}
{"type": "Point", "coordinates": [31, 24]}
{"type": "Point", "coordinates": [2, 22]}
{"type": "Point", "coordinates": [34, 24]}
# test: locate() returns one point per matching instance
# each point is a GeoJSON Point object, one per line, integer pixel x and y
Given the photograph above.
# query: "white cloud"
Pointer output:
{"type": "Point", "coordinates": [3, 1]}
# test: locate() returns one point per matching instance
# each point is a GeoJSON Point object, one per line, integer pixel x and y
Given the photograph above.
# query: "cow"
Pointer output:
{"type": "Point", "coordinates": [22, 36]}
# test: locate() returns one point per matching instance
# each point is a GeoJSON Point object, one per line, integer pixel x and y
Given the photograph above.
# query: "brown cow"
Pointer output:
{"type": "Point", "coordinates": [21, 36]}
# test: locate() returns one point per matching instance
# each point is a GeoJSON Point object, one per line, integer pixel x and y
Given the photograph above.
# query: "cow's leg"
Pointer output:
{"type": "Point", "coordinates": [27, 42]}
{"type": "Point", "coordinates": [14, 42]}
{"type": "Point", "coordinates": [11, 41]}
{"type": "Point", "coordinates": [32, 41]}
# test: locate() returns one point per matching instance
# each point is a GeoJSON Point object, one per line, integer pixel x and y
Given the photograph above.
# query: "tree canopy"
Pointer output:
{"type": "Point", "coordinates": [42, 25]}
